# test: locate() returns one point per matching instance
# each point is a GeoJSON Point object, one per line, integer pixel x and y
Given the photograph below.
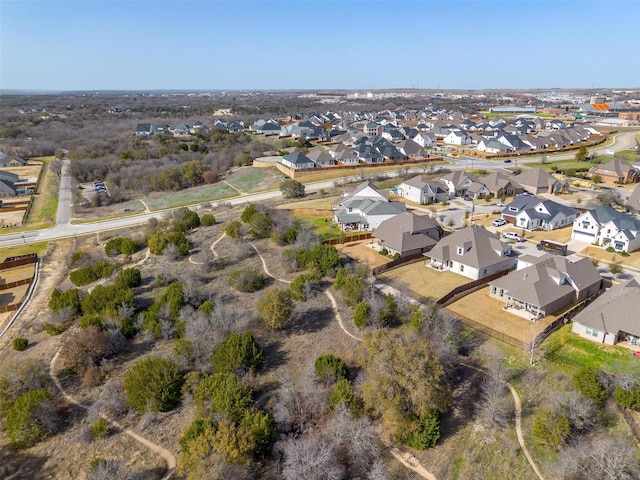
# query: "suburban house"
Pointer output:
{"type": "Point", "coordinates": [476, 190]}
{"type": "Point", "coordinates": [12, 161]}
{"type": "Point", "coordinates": [457, 137]}
{"type": "Point", "coordinates": [606, 226]}
{"type": "Point", "coordinates": [425, 139]}
{"type": "Point", "coordinates": [364, 190]}
{"type": "Point", "coordinates": [491, 145]}
{"type": "Point", "coordinates": [372, 129]}
{"type": "Point", "coordinates": [411, 149]}
{"type": "Point", "coordinates": [408, 234]}
{"type": "Point", "coordinates": [537, 181]}
{"type": "Point", "coordinates": [500, 185]}
{"type": "Point", "coordinates": [181, 129]}
{"type": "Point", "coordinates": [547, 286]}
{"type": "Point", "coordinates": [473, 252]}
{"type": "Point", "coordinates": [297, 160]}
{"type": "Point", "coordinates": [458, 182]}
{"type": "Point", "coordinates": [612, 317]}
{"type": "Point", "coordinates": [366, 214]}
{"type": "Point", "coordinates": [143, 129]}
{"type": "Point", "coordinates": [422, 190]}
{"type": "Point", "coordinates": [615, 171]}
{"type": "Point", "coordinates": [321, 158]}
{"type": "Point", "coordinates": [532, 213]}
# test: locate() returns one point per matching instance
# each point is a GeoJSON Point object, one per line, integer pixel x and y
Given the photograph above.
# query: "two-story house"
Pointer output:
{"type": "Point", "coordinates": [606, 226]}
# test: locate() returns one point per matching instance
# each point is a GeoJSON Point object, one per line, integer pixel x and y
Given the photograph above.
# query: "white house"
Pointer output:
{"type": "Point", "coordinates": [606, 226]}
{"type": "Point", "coordinates": [420, 189]}
{"type": "Point", "coordinates": [532, 213]}
{"type": "Point", "coordinates": [425, 139]}
{"type": "Point", "coordinates": [457, 137]}
{"type": "Point", "coordinates": [297, 160]}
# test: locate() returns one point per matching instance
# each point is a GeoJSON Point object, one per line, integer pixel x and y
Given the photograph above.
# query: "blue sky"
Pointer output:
{"type": "Point", "coordinates": [184, 45]}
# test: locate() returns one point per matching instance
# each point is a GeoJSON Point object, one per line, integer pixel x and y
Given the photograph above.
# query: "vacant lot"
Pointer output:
{"type": "Point", "coordinates": [362, 253]}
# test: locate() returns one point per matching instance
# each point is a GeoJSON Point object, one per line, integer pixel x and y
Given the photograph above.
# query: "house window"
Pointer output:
{"type": "Point", "coordinates": [494, 290]}
{"type": "Point", "coordinates": [501, 294]}
{"type": "Point", "coordinates": [461, 268]}
{"type": "Point", "coordinates": [586, 224]}
{"type": "Point", "coordinates": [592, 331]}
{"type": "Point", "coordinates": [460, 251]}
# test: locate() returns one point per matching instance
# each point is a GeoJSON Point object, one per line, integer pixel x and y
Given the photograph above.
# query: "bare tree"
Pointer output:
{"type": "Point", "coordinates": [311, 458]}
{"type": "Point", "coordinates": [493, 408]}
{"type": "Point", "coordinates": [604, 458]}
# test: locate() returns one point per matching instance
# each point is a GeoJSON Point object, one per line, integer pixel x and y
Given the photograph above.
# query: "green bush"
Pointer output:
{"type": "Point", "coordinates": [129, 278]}
{"type": "Point", "coordinates": [54, 330]}
{"type": "Point", "coordinates": [276, 308]}
{"type": "Point", "coordinates": [153, 383]}
{"type": "Point", "coordinates": [361, 314]}
{"type": "Point", "coordinates": [223, 393]}
{"type": "Point", "coordinates": [86, 275]}
{"type": "Point", "coordinates": [24, 419]}
{"type": "Point", "coordinates": [261, 225]}
{"type": "Point", "coordinates": [330, 368]}
{"type": "Point", "coordinates": [20, 344]}
{"type": "Point", "coordinates": [100, 429]}
{"type": "Point", "coordinates": [236, 352]}
{"type": "Point", "coordinates": [587, 382]}
{"type": "Point", "coordinates": [383, 252]}
{"type": "Point", "coordinates": [551, 428]}
{"type": "Point", "coordinates": [92, 320]}
{"type": "Point", "coordinates": [233, 228]}
{"type": "Point", "coordinates": [185, 219]}
{"type": "Point", "coordinates": [173, 297]}
{"type": "Point", "coordinates": [342, 394]}
{"type": "Point", "coordinates": [69, 298]}
{"type": "Point", "coordinates": [421, 433]}
{"type": "Point", "coordinates": [628, 398]}
{"type": "Point", "coordinates": [247, 280]}
{"type": "Point", "coordinates": [248, 213]}
{"type": "Point", "coordinates": [609, 249]}
{"type": "Point", "coordinates": [207, 220]}
{"type": "Point", "coordinates": [120, 246]}
{"type": "Point", "coordinates": [159, 241]}
{"type": "Point", "coordinates": [300, 283]}
{"type": "Point", "coordinates": [107, 299]}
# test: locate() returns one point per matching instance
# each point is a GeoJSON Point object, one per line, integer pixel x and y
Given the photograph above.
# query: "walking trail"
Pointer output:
{"type": "Point", "coordinates": [213, 250]}
{"type": "Point", "coordinates": [168, 457]}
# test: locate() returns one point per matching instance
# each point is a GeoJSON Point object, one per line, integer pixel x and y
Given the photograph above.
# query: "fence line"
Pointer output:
{"type": "Point", "coordinates": [414, 258]}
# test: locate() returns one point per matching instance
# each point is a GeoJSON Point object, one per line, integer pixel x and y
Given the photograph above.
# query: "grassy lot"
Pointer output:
{"type": "Point", "coordinates": [569, 350]}
{"type": "Point", "coordinates": [45, 202]}
{"type": "Point", "coordinates": [425, 281]}
{"type": "Point", "coordinates": [633, 260]}
{"type": "Point", "coordinates": [341, 173]}
{"type": "Point", "coordinates": [320, 203]}
{"type": "Point", "coordinates": [322, 225]}
{"type": "Point", "coordinates": [193, 195]}
{"type": "Point", "coordinates": [249, 179]}
{"type": "Point", "coordinates": [38, 248]}
{"type": "Point", "coordinates": [561, 165]}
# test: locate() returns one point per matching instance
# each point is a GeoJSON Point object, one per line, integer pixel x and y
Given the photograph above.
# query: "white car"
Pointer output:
{"type": "Point", "coordinates": [513, 236]}
{"type": "Point", "coordinates": [501, 204]}
{"type": "Point", "coordinates": [498, 222]}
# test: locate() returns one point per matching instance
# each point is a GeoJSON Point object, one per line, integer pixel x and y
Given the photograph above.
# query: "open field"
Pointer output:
{"type": "Point", "coordinates": [31, 170]}
{"type": "Point", "coordinates": [425, 281]}
{"type": "Point", "coordinates": [362, 253]}
{"type": "Point", "coordinates": [202, 194]}
{"type": "Point", "coordinates": [365, 172]}
{"type": "Point", "coordinates": [45, 202]}
{"type": "Point", "coordinates": [249, 179]}
{"type": "Point", "coordinates": [37, 248]}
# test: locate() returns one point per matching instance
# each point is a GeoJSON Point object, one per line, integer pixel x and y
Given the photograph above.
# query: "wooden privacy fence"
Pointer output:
{"type": "Point", "coordinates": [467, 288]}
{"type": "Point", "coordinates": [17, 283]}
{"type": "Point", "coordinates": [349, 238]}
{"type": "Point", "coordinates": [490, 332]}
{"type": "Point", "coordinates": [12, 262]}
{"type": "Point", "coordinates": [416, 257]}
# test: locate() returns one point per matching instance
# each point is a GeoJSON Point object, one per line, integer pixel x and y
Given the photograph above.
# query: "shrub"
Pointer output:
{"type": "Point", "coordinates": [236, 352]}
{"type": "Point", "coordinates": [185, 219]}
{"type": "Point", "coordinates": [159, 241]}
{"type": "Point", "coordinates": [291, 188]}
{"type": "Point", "coordinates": [361, 314]}
{"type": "Point", "coordinates": [342, 394]}
{"type": "Point", "coordinates": [153, 383]}
{"type": "Point", "coordinates": [628, 398]}
{"type": "Point", "coordinates": [24, 420]}
{"type": "Point", "coordinates": [276, 308]}
{"type": "Point", "coordinates": [100, 429]}
{"type": "Point", "coordinates": [301, 284]}
{"type": "Point", "coordinates": [233, 228]}
{"type": "Point", "coordinates": [248, 213]}
{"type": "Point", "coordinates": [261, 225]}
{"type": "Point", "coordinates": [207, 220]}
{"type": "Point", "coordinates": [551, 428]}
{"type": "Point", "coordinates": [587, 382]}
{"type": "Point", "coordinates": [610, 249]}
{"type": "Point", "coordinates": [330, 368]}
{"type": "Point", "coordinates": [421, 433]}
{"type": "Point", "coordinates": [20, 344]}
{"type": "Point", "coordinates": [223, 393]}
{"type": "Point", "coordinates": [383, 252]}
{"type": "Point", "coordinates": [83, 347]}
{"type": "Point", "coordinates": [120, 246]}
{"type": "Point", "coordinates": [396, 256]}
{"type": "Point", "coordinates": [129, 278]}
{"type": "Point", "coordinates": [248, 280]}
{"type": "Point", "coordinates": [173, 298]}
{"type": "Point", "coordinates": [69, 298]}
{"type": "Point", "coordinates": [107, 299]}
{"type": "Point", "coordinates": [86, 275]}
{"type": "Point", "coordinates": [54, 330]}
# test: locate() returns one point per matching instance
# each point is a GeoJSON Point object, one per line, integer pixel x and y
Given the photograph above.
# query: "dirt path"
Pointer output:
{"type": "Point", "coordinates": [146, 207]}
{"type": "Point", "coordinates": [518, 408]}
{"type": "Point", "coordinates": [213, 245]}
{"type": "Point", "coordinates": [168, 457]}
{"type": "Point", "coordinates": [406, 458]}
{"type": "Point", "coordinates": [235, 188]}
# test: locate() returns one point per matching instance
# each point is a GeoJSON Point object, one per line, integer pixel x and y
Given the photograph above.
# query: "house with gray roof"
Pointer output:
{"type": "Point", "coordinates": [297, 160]}
{"type": "Point", "coordinates": [547, 286]}
{"type": "Point", "coordinates": [473, 252]}
{"type": "Point", "coordinates": [606, 226]}
{"type": "Point", "coordinates": [612, 317]}
{"type": "Point", "coordinates": [500, 185]}
{"type": "Point", "coordinates": [633, 202]}
{"type": "Point", "coordinates": [12, 161]}
{"type": "Point", "coordinates": [537, 181]}
{"type": "Point", "coordinates": [408, 234]}
{"type": "Point", "coordinates": [321, 158]}
{"type": "Point", "coordinates": [143, 129]}
{"type": "Point", "coordinates": [423, 190]}
{"type": "Point", "coordinates": [366, 214]}
{"type": "Point", "coordinates": [364, 190]}
{"type": "Point", "coordinates": [458, 182]}
{"type": "Point", "coordinates": [533, 213]}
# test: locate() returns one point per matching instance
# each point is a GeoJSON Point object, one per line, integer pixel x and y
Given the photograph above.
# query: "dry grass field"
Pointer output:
{"type": "Point", "coordinates": [425, 281]}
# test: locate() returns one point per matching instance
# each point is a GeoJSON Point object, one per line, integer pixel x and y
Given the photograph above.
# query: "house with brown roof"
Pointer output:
{"type": "Point", "coordinates": [424, 191]}
{"type": "Point", "coordinates": [612, 317]}
{"type": "Point", "coordinates": [633, 202]}
{"type": "Point", "coordinates": [615, 171]}
{"type": "Point", "coordinates": [547, 286]}
{"type": "Point", "coordinates": [500, 185]}
{"type": "Point", "coordinates": [473, 252]}
{"type": "Point", "coordinates": [537, 181]}
{"type": "Point", "coordinates": [408, 234]}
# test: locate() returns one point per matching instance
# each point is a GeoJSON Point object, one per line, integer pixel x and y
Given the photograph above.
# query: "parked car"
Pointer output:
{"type": "Point", "coordinates": [507, 161]}
{"type": "Point", "coordinates": [498, 222]}
{"type": "Point", "coordinates": [513, 236]}
{"type": "Point", "coordinates": [501, 204]}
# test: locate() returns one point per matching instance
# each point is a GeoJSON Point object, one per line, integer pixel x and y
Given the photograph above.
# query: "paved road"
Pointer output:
{"type": "Point", "coordinates": [65, 197]}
